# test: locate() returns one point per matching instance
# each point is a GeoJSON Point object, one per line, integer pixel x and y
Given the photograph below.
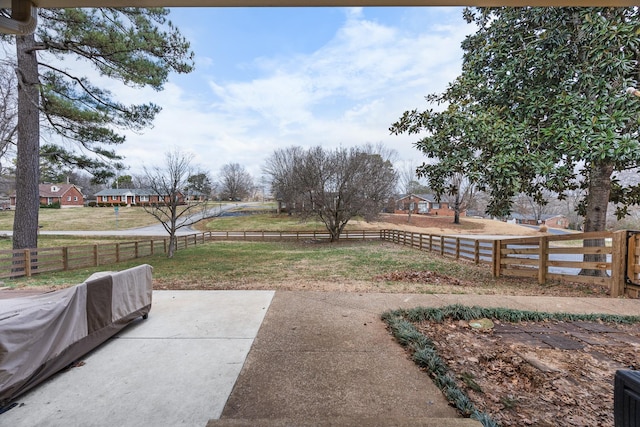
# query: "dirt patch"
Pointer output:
{"type": "Point", "coordinates": [410, 282]}
{"type": "Point", "coordinates": [424, 277]}
{"type": "Point", "coordinates": [444, 225]}
{"type": "Point", "coordinates": [538, 374]}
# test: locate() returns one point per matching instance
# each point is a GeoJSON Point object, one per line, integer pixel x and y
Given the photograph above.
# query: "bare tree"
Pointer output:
{"type": "Point", "coordinates": [280, 171]}
{"type": "Point", "coordinates": [460, 194]}
{"type": "Point", "coordinates": [235, 182]}
{"type": "Point", "coordinates": [526, 205]}
{"type": "Point", "coordinates": [8, 112]}
{"type": "Point", "coordinates": [167, 183]}
{"type": "Point", "coordinates": [337, 185]}
{"type": "Point", "coordinates": [409, 182]}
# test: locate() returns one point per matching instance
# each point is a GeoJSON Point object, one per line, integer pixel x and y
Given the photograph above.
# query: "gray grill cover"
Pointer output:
{"type": "Point", "coordinates": [42, 334]}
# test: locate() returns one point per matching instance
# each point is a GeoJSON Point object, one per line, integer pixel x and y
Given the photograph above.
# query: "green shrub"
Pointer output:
{"type": "Point", "coordinates": [54, 205]}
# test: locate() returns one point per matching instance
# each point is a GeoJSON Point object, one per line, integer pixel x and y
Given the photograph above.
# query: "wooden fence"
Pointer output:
{"type": "Point", "coordinates": [548, 257]}
{"type": "Point", "coordinates": [26, 262]}
{"type": "Point", "coordinates": [615, 256]}
{"type": "Point", "coordinates": [480, 251]}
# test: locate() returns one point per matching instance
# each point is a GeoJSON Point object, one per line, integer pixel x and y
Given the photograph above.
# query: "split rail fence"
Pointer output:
{"type": "Point", "coordinates": [616, 255]}
{"type": "Point", "coordinates": [26, 262]}
{"type": "Point", "coordinates": [612, 257]}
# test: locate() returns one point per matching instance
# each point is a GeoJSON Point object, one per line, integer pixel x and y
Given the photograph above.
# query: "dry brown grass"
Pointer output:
{"type": "Point", "coordinates": [444, 225]}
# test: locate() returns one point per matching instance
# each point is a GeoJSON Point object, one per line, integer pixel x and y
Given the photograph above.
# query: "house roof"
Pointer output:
{"type": "Point", "coordinates": [425, 197]}
{"type": "Point", "coordinates": [56, 190]}
{"type": "Point", "coordinates": [125, 192]}
{"type": "Point", "coordinates": [543, 217]}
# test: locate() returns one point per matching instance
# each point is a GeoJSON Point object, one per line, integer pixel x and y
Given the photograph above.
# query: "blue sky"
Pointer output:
{"type": "Point", "coordinates": [268, 78]}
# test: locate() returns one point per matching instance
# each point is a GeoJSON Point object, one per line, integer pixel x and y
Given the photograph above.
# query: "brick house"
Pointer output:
{"type": "Point", "coordinates": [67, 195]}
{"type": "Point", "coordinates": [132, 196]}
{"type": "Point", "coordinates": [424, 204]}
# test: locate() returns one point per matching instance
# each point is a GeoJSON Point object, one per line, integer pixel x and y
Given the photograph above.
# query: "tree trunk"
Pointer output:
{"type": "Point", "coordinates": [25, 224]}
{"type": "Point", "coordinates": [173, 243]}
{"type": "Point", "coordinates": [456, 209]}
{"type": "Point", "coordinates": [596, 213]}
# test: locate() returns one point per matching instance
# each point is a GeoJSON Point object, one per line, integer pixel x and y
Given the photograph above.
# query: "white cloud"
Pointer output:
{"type": "Point", "coordinates": [347, 92]}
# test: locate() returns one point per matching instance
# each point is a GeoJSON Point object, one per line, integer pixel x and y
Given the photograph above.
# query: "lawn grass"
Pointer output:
{"type": "Point", "coordinates": [227, 264]}
{"type": "Point", "coordinates": [353, 266]}
{"type": "Point", "coordinates": [79, 219]}
{"type": "Point", "coordinates": [94, 219]}
{"type": "Point", "coordinates": [56, 241]}
{"type": "Point", "coordinates": [260, 222]}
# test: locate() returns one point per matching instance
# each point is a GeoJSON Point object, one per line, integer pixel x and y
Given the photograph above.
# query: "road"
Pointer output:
{"type": "Point", "coordinates": [151, 230]}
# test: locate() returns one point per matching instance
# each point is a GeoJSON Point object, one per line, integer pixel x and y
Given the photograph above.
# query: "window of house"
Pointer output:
{"type": "Point", "coordinates": [68, 198]}
{"type": "Point", "coordinates": [105, 198]}
{"type": "Point", "coordinates": [435, 206]}
{"type": "Point", "coordinates": [144, 198]}
{"type": "Point", "coordinates": [75, 198]}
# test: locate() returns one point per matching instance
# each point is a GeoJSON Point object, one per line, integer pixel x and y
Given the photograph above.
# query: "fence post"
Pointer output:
{"type": "Point", "coordinates": [430, 242]}
{"type": "Point", "coordinates": [618, 262]}
{"type": "Point", "coordinates": [117, 252]}
{"type": "Point", "coordinates": [543, 259]}
{"type": "Point", "coordinates": [476, 251]}
{"type": "Point", "coordinates": [95, 255]}
{"type": "Point", "coordinates": [151, 246]}
{"type": "Point", "coordinates": [457, 248]}
{"type": "Point", "coordinates": [497, 244]}
{"type": "Point", "coordinates": [136, 249]}
{"type": "Point", "coordinates": [164, 242]}
{"type": "Point", "coordinates": [27, 262]}
{"type": "Point", "coordinates": [442, 245]}
{"type": "Point", "coordinates": [65, 258]}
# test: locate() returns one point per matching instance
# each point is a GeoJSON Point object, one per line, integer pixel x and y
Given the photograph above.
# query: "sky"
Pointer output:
{"type": "Point", "coordinates": [270, 78]}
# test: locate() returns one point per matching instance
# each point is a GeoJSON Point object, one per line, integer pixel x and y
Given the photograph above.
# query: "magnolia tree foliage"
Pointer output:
{"type": "Point", "coordinates": [333, 185]}
{"type": "Point", "coordinates": [540, 106]}
{"type": "Point", "coordinates": [137, 47]}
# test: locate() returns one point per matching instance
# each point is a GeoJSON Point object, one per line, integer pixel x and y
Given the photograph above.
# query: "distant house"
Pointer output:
{"type": "Point", "coordinates": [195, 196]}
{"type": "Point", "coordinates": [132, 197]}
{"type": "Point", "coordinates": [67, 195]}
{"type": "Point", "coordinates": [425, 204]}
{"type": "Point", "coordinates": [552, 220]}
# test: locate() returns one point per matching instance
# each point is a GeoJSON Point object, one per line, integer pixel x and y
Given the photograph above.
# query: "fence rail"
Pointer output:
{"type": "Point", "coordinates": [480, 251]}
{"type": "Point", "coordinates": [26, 262]}
{"type": "Point", "coordinates": [615, 255]}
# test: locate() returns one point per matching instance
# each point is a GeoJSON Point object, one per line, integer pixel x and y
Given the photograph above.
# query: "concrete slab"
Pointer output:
{"type": "Point", "coordinates": [178, 367]}
{"type": "Point", "coordinates": [328, 355]}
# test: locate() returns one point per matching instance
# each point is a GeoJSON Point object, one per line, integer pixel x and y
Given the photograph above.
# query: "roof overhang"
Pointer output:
{"type": "Point", "coordinates": [311, 3]}
{"type": "Point", "coordinates": [23, 18]}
